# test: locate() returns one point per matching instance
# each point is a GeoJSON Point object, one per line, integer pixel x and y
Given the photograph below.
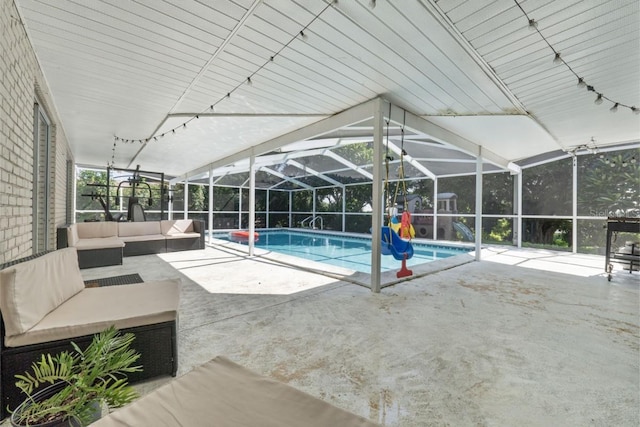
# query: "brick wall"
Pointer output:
{"type": "Point", "coordinates": [21, 81]}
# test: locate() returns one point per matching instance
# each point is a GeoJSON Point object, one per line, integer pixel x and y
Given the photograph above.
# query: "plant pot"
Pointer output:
{"type": "Point", "coordinates": [44, 394]}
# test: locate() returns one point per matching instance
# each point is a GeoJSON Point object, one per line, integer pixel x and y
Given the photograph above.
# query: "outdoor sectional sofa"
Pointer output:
{"type": "Point", "coordinates": [105, 243]}
{"type": "Point", "coordinates": [45, 305]}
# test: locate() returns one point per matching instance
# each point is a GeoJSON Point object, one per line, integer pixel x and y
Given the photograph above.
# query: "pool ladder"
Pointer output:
{"type": "Point", "coordinates": [312, 220]}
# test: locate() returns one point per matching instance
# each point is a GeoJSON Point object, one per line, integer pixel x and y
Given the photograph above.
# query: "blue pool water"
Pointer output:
{"type": "Point", "coordinates": [343, 251]}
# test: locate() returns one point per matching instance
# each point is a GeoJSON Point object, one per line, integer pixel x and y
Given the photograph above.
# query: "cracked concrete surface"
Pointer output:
{"type": "Point", "coordinates": [510, 340]}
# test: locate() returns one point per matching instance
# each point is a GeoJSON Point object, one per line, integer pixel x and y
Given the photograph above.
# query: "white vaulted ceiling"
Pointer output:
{"type": "Point", "coordinates": [138, 69]}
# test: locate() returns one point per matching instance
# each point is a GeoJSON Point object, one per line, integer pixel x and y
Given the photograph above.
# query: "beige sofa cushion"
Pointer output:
{"type": "Point", "coordinates": [223, 394]}
{"type": "Point", "coordinates": [94, 309]}
{"type": "Point", "coordinates": [176, 226]}
{"type": "Point", "coordinates": [32, 289]}
{"type": "Point", "coordinates": [143, 238]}
{"type": "Point", "coordinates": [182, 236]}
{"type": "Point", "coordinates": [141, 228]}
{"type": "Point", "coordinates": [92, 230]}
{"type": "Point", "coordinates": [72, 235]}
{"type": "Point", "coordinates": [99, 243]}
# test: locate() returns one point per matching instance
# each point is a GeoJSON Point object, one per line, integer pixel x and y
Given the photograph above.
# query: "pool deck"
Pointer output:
{"type": "Point", "coordinates": [523, 337]}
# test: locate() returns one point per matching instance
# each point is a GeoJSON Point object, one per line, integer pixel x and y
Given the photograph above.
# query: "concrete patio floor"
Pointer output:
{"type": "Point", "coordinates": [524, 337]}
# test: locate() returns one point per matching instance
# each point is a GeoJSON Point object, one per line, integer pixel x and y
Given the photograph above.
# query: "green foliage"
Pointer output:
{"type": "Point", "coordinates": [360, 153]}
{"type": "Point", "coordinates": [547, 189]}
{"type": "Point", "coordinates": [608, 183]}
{"type": "Point", "coordinates": [500, 232]}
{"type": "Point", "coordinates": [86, 182]}
{"type": "Point", "coordinates": [93, 375]}
{"type": "Point", "coordinates": [196, 198]}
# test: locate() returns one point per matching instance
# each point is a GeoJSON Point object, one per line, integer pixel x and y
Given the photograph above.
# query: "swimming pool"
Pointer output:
{"type": "Point", "coordinates": [349, 252]}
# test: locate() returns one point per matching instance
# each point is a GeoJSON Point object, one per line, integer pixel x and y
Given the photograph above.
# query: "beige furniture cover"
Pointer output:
{"type": "Point", "coordinates": [223, 394]}
{"type": "Point", "coordinates": [44, 299]}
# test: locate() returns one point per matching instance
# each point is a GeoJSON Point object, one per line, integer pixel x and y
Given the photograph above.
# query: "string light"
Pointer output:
{"type": "Point", "coordinates": [592, 148]}
{"type": "Point", "coordinates": [372, 4]}
{"type": "Point", "coordinates": [113, 152]}
{"type": "Point", "coordinates": [533, 26]}
{"type": "Point", "coordinates": [598, 100]}
{"type": "Point", "coordinates": [248, 81]}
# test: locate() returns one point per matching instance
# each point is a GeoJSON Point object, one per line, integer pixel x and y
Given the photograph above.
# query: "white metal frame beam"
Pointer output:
{"type": "Point", "coordinates": [393, 147]}
{"type": "Point", "coordinates": [440, 134]}
{"type": "Point", "coordinates": [284, 178]}
{"type": "Point", "coordinates": [314, 173]}
{"type": "Point", "coordinates": [345, 118]}
{"type": "Point", "coordinates": [347, 163]}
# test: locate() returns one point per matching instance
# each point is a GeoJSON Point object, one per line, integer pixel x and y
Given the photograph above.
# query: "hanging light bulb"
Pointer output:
{"type": "Point", "coordinates": [303, 36]}
{"type": "Point", "coordinates": [372, 4]}
{"type": "Point", "coordinates": [557, 59]}
{"type": "Point", "coordinates": [614, 108]}
{"type": "Point", "coordinates": [581, 83]}
{"type": "Point", "coordinates": [633, 160]}
{"type": "Point", "coordinates": [613, 164]}
{"type": "Point", "coordinates": [635, 110]}
{"type": "Point", "coordinates": [598, 100]}
{"type": "Point", "coordinates": [249, 82]}
{"type": "Point", "coordinates": [624, 163]}
{"type": "Point", "coordinates": [533, 25]}
{"type": "Point", "coordinates": [606, 161]}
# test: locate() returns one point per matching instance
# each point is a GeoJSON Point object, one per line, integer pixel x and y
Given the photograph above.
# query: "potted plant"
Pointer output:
{"type": "Point", "coordinates": [80, 383]}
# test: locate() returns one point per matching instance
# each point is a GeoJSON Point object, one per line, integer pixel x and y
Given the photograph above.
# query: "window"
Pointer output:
{"type": "Point", "coordinates": [41, 182]}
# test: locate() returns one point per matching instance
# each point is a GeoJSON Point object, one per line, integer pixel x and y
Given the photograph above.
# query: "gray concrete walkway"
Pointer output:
{"type": "Point", "coordinates": [513, 340]}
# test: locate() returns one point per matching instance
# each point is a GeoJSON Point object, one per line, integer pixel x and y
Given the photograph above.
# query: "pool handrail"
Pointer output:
{"type": "Point", "coordinates": [312, 220]}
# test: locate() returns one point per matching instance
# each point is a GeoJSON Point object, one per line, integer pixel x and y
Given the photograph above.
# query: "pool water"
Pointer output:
{"type": "Point", "coordinates": [349, 252]}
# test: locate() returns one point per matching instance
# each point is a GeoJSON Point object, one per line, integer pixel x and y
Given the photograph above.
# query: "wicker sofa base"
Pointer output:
{"type": "Point", "coordinates": [146, 247]}
{"type": "Point", "coordinates": [175, 245]}
{"type": "Point", "coordinates": [156, 343]}
{"type": "Point", "coordinates": [90, 258]}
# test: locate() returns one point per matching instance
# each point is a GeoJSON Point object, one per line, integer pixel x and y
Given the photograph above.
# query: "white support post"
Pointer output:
{"type": "Point", "coordinates": [344, 208]}
{"type": "Point", "coordinates": [519, 208]}
{"type": "Point", "coordinates": [267, 215]}
{"type": "Point", "coordinates": [170, 194]}
{"type": "Point", "coordinates": [313, 213]}
{"type": "Point", "coordinates": [290, 208]}
{"type": "Point", "coordinates": [479, 204]}
{"type": "Point", "coordinates": [252, 202]}
{"type": "Point", "coordinates": [376, 188]}
{"type": "Point", "coordinates": [574, 204]}
{"type": "Point", "coordinates": [435, 209]}
{"type": "Point", "coordinates": [210, 207]}
{"type": "Point", "coordinates": [239, 207]}
{"type": "Point", "coordinates": [185, 211]}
